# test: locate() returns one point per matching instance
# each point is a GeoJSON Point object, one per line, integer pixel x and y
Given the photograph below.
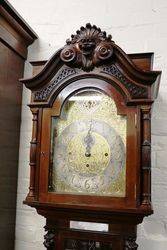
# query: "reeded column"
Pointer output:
{"type": "Point", "coordinates": [146, 154]}
{"type": "Point", "coordinates": [33, 151]}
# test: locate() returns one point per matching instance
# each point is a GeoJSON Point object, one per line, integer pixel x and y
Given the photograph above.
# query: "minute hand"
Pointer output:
{"type": "Point", "coordinates": [89, 142]}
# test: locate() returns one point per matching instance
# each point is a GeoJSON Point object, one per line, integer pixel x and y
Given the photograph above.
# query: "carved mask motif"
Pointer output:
{"type": "Point", "coordinates": [88, 48]}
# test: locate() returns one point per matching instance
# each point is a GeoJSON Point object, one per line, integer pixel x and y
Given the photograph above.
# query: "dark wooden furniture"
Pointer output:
{"type": "Point", "coordinates": [92, 61]}
{"type": "Point", "coordinates": [15, 37]}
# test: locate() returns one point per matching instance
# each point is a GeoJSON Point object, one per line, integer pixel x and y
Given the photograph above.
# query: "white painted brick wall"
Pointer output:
{"type": "Point", "coordinates": [137, 26]}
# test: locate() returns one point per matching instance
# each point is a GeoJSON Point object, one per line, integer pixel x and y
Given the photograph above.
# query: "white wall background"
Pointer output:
{"type": "Point", "coordinates": [137, 26]}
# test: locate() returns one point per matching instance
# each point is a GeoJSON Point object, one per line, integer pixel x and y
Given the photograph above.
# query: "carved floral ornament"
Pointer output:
{"type": "Point", "coordinates": [88, 48]}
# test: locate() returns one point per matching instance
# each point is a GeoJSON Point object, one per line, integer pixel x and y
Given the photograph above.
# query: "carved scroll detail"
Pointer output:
{"type": "Point", "coordinates": [49, 238]}
{"type": "Point", "coordinates": [78, 244]}
{"type": "Point", "coordinates": [135, 91]}
{"type": "Point", "coordinates": [130, 243]}
{"type": "Point", "coordinates": [44, 93]}
{"type": "Point", "coordinates": [33, 149]}
{"type": "Point", "coordinates": [146, 155]}
{"type": "Point", "coordinates": [88, 48]}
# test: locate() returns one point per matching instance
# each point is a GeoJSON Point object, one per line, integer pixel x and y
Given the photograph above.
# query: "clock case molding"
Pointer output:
{"type": "Point", "coordinates": [92, 60]}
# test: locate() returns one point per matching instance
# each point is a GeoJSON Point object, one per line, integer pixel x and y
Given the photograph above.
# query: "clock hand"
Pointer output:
{"type": "Point", "coordinates": [88, 141]}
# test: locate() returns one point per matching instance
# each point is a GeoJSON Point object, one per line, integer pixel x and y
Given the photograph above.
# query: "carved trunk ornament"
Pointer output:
{"type": "Point", "coordinates": [49, 238]}
{"type": "Point", "coordinates": [130, 243]}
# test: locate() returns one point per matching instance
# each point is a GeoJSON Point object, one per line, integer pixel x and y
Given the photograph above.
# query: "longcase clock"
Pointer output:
{"type": "Point", "coordinates": [91, 145]}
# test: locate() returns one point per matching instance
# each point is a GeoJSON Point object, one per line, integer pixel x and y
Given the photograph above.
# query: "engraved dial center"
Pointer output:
{"type": "Point", "coordinates": [88, 153]}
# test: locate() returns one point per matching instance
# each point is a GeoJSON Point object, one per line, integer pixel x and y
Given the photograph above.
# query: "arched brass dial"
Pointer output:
{"type": "Point", "coordinates": [89, 153]}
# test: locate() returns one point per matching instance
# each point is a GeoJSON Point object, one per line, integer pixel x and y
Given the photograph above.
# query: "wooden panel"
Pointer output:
{"type": "Point", "coordinates": [10, 37]}
{"type": "Point", "coordinates": [15, 36]}
{"type": "Point", "coordinates": [143, 61]}
{"type": "Point", "coordinates": [14, 31]}
{"type": "Point", "coordinates": [11, 69]}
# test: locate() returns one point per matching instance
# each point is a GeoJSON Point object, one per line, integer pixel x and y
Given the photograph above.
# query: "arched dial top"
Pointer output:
{"type": "Point", "coordinates": [89, 146]}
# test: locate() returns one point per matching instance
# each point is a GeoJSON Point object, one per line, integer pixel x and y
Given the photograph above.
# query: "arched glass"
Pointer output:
{"type": "Point", "coordinates": [88, 147]}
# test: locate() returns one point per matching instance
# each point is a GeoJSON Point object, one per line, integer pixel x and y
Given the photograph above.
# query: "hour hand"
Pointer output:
{"type": "Point", "coordinates": [87, 153]}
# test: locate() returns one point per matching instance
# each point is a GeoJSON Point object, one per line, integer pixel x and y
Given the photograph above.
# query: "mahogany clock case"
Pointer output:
{"type": "Point", "coordinates": [92, 61]}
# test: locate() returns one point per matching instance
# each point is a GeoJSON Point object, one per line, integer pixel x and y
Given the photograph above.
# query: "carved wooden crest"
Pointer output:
{"type": "Point", "coordinates": [91, 53]}
{"type": "Point", "coordinates": [88, 48]}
